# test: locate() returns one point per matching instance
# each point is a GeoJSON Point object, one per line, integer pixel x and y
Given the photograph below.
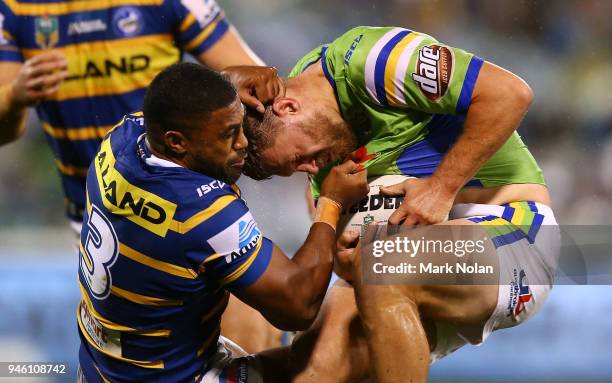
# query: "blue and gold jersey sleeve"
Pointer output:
{"type": "Point", "coordinates": [201, 23]}
{"type": "Point", "coordinates": [235, 252]}
{"type": "Point", "coordinates": [9, 50]}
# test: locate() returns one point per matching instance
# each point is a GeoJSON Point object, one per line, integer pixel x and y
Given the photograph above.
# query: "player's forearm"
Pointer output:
{"type": "Point", "coordinates": [12, 116]}
{"type": "Point", "coordinates": [495, 113]}
{"type": "Point", "coordinates": [315, 261]}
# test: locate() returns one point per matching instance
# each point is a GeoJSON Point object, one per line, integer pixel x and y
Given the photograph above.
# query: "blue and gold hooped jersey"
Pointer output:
{"type": "Point", "coordinates": [114, 50]}
{"type": "Point", "coordinates": [160, 248]}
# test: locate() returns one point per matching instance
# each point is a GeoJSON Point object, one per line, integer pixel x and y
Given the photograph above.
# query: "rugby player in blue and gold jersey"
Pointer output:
{"type": "Point", "coordinates": [84, 64]}
{"type": "Point", "coordinates": [167, 236]}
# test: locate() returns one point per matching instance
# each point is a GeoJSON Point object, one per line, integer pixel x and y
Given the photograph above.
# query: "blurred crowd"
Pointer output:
{"type": "Point", "coordinates": [562, 48]}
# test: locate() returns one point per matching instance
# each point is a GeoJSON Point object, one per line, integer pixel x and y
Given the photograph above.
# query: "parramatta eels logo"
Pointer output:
{"type": "Point", "coordinates": [127, 21]}
{"type": "Point", "coordinates": [46, 31]}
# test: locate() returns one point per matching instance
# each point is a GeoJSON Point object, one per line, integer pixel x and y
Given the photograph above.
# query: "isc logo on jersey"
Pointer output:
{"type": "Point", "coordinates": [237, 239]}
{"type": "Point", "coordinates": [433, 71]}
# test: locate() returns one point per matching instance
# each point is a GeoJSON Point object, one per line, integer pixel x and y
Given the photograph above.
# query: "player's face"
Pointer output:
{"type": "Point", "coordinates": [218, 147]}
{"type": "Point", "coordinates": [307, 145]}
{"type": "Point", "coordinates": [295, 151]}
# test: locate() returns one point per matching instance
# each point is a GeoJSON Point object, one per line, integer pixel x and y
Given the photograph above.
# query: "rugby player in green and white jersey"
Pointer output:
{"type": "Point", "coordinates": [403, 103]}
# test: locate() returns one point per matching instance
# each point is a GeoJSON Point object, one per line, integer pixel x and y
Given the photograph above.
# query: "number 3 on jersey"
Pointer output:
{"type": "Point", "coordinates": [99, 253]}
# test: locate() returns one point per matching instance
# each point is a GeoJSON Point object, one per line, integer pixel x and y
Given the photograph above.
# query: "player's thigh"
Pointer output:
{"type": "Point", "coordinates": [462, 297]}
{"type": "Point", "coordinates": [248, 328]}
{"type": "Point", "coordinates": [334, 348]}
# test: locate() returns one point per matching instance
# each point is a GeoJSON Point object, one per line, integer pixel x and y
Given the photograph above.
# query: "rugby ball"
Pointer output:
{"type": "Point", "coordinates": [375, 208]}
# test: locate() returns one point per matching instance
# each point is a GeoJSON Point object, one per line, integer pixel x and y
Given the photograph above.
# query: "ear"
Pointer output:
{"type": "Point", "coordinates": [283, 106]}
{"type": "Point", "coordinates": [176, 142]}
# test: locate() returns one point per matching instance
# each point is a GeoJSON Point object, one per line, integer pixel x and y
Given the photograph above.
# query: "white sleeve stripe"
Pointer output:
{"type": "Point", "coordinates": [370, 66]}
{"type": "Point", "coordinates": [402, 68]}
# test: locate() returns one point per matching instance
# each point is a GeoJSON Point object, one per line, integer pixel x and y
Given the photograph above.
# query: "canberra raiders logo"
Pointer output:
{"type": "Point", "coordinates": [46, 31]}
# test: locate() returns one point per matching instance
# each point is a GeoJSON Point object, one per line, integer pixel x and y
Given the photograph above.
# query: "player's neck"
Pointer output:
{"type": "Point", "coordinates": [314, 90]}
{"type": "Point", "coordinates": [158, 151]}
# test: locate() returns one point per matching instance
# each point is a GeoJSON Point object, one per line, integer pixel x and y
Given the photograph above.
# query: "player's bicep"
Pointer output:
{"type": "Point", "coordinates": [240, 254]}
{"type": "Point", "coordinates": [228, 51]}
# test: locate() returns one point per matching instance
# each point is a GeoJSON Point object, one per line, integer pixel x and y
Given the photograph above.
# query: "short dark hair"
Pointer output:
{"type": "Point", "coordinates": [182, 94]}
{"type": "Point", "coordinates": [261, 131]}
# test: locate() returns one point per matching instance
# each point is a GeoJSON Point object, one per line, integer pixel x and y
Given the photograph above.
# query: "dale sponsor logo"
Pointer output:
{"type": "Point", "coordinates": [237, 239]}
{"type": "Point", "coordinates": [433, 71]}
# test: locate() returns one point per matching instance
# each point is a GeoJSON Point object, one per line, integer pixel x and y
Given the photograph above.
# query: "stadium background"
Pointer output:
{"type": "Point", "coordinates": [561, 48]}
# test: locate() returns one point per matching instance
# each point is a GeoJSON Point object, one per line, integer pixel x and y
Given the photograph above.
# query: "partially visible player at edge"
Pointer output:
{"type": "Point", "coordinates": [83, 65]}
{"type": "Point", "coordinates": [402, 103]}
{"type": "Point", "coordinates": [166, 237]}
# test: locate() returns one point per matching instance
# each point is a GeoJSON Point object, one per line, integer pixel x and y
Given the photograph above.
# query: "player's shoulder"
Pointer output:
{"type": "Point", "coordinates": [362, 47]}
{"type": "Point", "coordinates": [202, 196]}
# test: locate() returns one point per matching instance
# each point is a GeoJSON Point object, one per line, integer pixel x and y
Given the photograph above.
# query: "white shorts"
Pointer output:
{"type": "Point", "coordinates": [231, 364]}
{"type": "Point", "coordinates": [527, 240]}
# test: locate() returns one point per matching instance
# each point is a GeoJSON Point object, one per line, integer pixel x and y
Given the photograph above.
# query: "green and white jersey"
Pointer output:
{"type": "Point", "coordinates": [406, 97]}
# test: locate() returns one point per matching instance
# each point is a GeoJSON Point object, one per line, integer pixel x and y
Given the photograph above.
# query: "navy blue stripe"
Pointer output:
{"type": "Point", "coordinates": [532, 206]}
{"type": "Point", "coordinates": [257, 268]}
{"type": "Point", "coordinates": [7, 55]}
{"type": "Point", "coordinates": [508, 213]}
{"type": "Point", "coordinates": [152, 22]}
{"type": "Point", "coordinates": [194, 29]}
{"type": "Point", "coordinates": [465, 98]}
{"type": "Point", "coordinates": [328, 75]}
{"type": "Point", "coordinates": [78, 153]}
{"type": "Point", "coordinates": [86, 362]}
{"type": "Point", "coordinates": [381, 64]}
{"type": "Point", "coordinates": [74, 189]}
{"type": "Point", "coordinates": [474, 182]}
{"type": "Point", "coordinates": [508, 239]}
{"type": "Point", "coordinates": [483, 219]}
{"type": "Point", "coordinates": [91, 111]}
{"type": "Point", "coordinates": [212, 39]}
{"type": "Point", "coordinates": [422, 158]}
{"type": "Point", "coordinates": [535, 227]}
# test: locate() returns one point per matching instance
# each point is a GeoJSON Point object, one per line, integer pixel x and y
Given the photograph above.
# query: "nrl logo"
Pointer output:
{"type": "Point", "coordinates": [46, 29]}
{"type": "Point", "coordinates": [368, 219]}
